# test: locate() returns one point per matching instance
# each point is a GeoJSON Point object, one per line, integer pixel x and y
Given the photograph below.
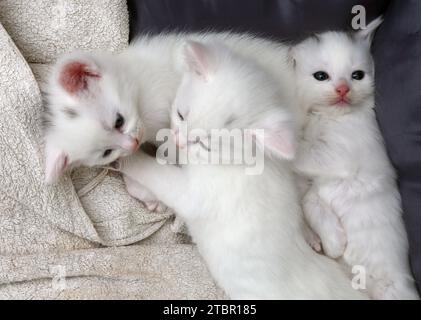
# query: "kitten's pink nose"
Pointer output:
{"type": "Point", "coordinates": [342, 90]}
{"type": "Point", "coordinates": [129, 143]}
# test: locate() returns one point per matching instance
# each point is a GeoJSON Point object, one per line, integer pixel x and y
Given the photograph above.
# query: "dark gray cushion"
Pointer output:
{"type": "Point", "coordinates": [280, 19]}
{"type": "Point", "coordinates": [397, 52]}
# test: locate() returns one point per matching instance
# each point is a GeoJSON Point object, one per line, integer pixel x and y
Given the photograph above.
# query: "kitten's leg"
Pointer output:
{"type": "Point", "coordinates": [141, 193]}
{"type": "Point", "coordinates": [325, 223]}
{"type": "Point", "coordinates": [166, 182]}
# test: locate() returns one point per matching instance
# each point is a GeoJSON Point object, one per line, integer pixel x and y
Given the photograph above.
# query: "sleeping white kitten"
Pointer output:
{"type": "Point", "coordinates": [101, 105]}
{"type": "Point", "coordinates": [352, 201]}
{"type": "Point", "coordinates": [249, 228]}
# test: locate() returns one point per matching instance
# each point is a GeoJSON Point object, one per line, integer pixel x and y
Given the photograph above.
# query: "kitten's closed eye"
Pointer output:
{"type": "Point", "coordinates": [321, 76]}
{"type": "Point", "coordinates": [107, 153]}
{"type": "Point", "coordinates": [119, 121]}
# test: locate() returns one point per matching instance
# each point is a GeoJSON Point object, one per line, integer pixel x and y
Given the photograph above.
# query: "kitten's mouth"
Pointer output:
{"type": "Point", "coordinates": [341, 102]}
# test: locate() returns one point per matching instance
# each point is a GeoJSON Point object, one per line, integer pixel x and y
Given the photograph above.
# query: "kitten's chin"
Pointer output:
{"type": "Point", "coordinates": [334, 107]}
{"type": "Point", "coordinates": [341, 103]}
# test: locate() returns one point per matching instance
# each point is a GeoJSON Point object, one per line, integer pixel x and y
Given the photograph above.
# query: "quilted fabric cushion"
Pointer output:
{"type": "Point", "coordinates": [397, 52]}
{"type": "Point", "coordinates": [43, 29]}
{"type": "Point", "coordinates": [33, 217]}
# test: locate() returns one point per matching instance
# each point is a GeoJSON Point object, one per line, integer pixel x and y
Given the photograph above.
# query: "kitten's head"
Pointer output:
{"type": "Point", "coordinates": [91, 116]}
{"type": "Point", "coordinates": [223, 90]}
{"type": "Point", "coordinates": [335, 70]}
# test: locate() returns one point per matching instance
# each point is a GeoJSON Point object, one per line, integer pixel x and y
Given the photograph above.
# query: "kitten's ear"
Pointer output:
{"type": "Point", "coordinates": [56, 163]}
{"type": "Point", "coordinates": [275, 135]}
{"type": "Point", "coordinates": [77, 72]}
{"type": "Point", "coordinates": [367, 34]}
{"type": "Point", "coordinates": [199, 58]}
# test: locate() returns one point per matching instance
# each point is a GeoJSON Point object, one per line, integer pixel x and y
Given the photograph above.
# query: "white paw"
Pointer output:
{"type": "Point", "coordinates": [313, 240]}
{"type": "Point", "coordinates": [315, 243]}
{"type": "Point", "coordinates": [334, 244]}
{"type": "Point", "coordinates": [123, 165]}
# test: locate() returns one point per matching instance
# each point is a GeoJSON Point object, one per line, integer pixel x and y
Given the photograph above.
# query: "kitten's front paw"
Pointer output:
{"type": "Point", "coordinates": [126, 165]}
{"type": "Point", "coordinates": [140, 192]}
{"type": "Point", "coordinates": [312, 239]}
{"type": "Point", "coordinates": [314, 242]}
{"type": "Point", "coordinates": [334, 243]}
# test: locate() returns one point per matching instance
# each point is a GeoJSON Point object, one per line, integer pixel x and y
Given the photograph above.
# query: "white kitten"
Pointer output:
{"type": "Point", "coordinates": [249, 228]}
{"type": "Point", "coordinates": [136, 86]}
{"type": "Point", "coordinates": [352, 202]}
{"type": "Point", "coordinates": [100, 108]}
{"type": "Point", "coordinates": [91, 117]}
{"type": "Point", "coordinates": [88, 92]}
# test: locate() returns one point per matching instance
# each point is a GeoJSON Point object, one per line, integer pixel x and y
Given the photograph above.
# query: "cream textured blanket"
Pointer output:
{"type": "Point", "coordinates": [53, 238]}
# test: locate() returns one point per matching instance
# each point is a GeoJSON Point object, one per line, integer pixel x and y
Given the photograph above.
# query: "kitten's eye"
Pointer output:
{"type": "Point", "coordinates": [119, 121]}
{"type": "Point", "coordinates": [358, 75]}
{"type": "Point", "coordinates": [320, 76]}
{"type": "Point", "coordinates": [107, 153]}
{"type": "Point", "coordinates": [180, 115]}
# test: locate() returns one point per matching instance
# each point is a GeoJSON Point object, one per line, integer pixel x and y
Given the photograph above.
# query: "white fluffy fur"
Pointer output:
{"type": "Point", "coordinates": [249, 228]}
{"type": "Point", "coordinates": [352, 202]}
{"type": "Point", "coordinates": [140, 83]}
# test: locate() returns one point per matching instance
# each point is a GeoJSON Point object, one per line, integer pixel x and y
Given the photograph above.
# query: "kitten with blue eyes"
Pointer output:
{"type": "Point", "coordinates": [248, 228]}
{"type": "Point", "coordinates": [351, 200]}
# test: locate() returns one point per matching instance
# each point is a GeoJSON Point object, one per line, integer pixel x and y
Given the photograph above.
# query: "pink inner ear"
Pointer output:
{"type": "Point", "coordinates": [198, 58]}
{"type": "Point", "coordinates": [74, 77]}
